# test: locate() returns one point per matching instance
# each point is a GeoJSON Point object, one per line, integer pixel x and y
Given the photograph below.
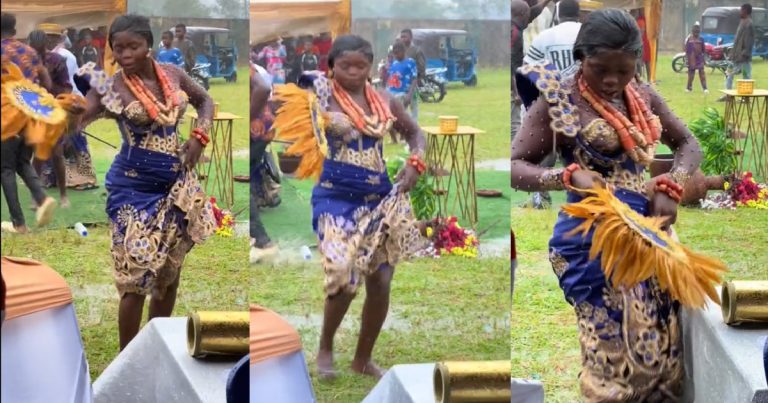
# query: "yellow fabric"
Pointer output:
{"type": "Point", "coordinates": [293, 123]}
{"type": "Point", "coordinates": [652, 10]}
{"type": "Point", "coordinates": [293, 18]}
{"type": "Point", "coordinates": [63, 7]}
{"type": "Point", "coordinates": [40, 132]}
{"type": "Point", "coordinates": [628, 255]}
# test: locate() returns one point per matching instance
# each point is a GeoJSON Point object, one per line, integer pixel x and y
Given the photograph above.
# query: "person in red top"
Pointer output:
{"type": "Point", "coordinates": [646, 57]}
{"type": "Point", "coordinates": [323, 44]}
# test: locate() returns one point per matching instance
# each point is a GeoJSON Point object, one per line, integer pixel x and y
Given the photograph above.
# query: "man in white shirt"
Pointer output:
{"type": "Point", "coordinates": [57, 43]}
{"type": "Point", "coordinates": [555, 45]}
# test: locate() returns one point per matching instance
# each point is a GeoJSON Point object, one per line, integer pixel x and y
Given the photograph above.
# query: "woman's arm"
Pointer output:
{"type": "Point", "coordinates": [408, 128]}
{"type": "Point", "coordinates": [259, 96]}
{"type": "Point", "coordinates": [530, 146]}
{"type": "Point", "coordinates": [677, 136]}
{"type": "Point", "coordinates": [93, 110]}
{"type": "Point", "coordinates": [198, 97]}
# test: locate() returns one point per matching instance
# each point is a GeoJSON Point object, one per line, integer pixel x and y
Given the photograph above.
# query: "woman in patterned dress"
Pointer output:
{"type": "Point", "coordinates": [155, 203]}
{"type": "Point", "coordinates": [630, 338]}
{"type": "Point", "coordinates": [364, 225]}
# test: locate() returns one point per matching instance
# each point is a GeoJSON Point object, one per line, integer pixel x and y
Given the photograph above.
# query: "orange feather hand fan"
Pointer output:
{"type": "Point", "coordinates": [301, 121]}
{"type": "Point", "coordinates": [633, 248]}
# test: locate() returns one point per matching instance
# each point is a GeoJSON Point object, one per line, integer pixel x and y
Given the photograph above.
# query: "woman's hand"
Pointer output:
{"type": "Point", "coordinates": [192, 150]}
{"type": "Point", "coordinates": [407, 179]}
{"type": "Point", "coordinates": [585, 179]}
{"type": "Point", "coordinates": [664, 206]}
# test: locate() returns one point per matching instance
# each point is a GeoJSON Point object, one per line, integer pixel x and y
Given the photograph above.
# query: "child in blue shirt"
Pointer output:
{"type": "Point", "coordinates": [167, 54]}
{"type": "Point", "coordinates": [401, 80]}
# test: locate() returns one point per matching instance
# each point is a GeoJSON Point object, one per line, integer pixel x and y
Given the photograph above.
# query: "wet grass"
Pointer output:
{"type": "Point", "coordinates": [445, 309]}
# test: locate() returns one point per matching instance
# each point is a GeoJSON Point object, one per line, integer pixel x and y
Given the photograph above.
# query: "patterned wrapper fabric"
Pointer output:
{"type": "Point", "coordinates": [361, 221]}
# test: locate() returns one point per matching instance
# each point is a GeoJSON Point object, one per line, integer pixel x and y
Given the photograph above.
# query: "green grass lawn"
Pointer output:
{"type": "Point", "coordinates": [544, 340]}
{"type": "Point", "coordinates": [214, 277]}
{"type": "Point", "coordinates": [446, 309]}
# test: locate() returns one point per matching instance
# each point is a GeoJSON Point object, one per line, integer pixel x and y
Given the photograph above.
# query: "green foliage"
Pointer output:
{"type": "Point", "coordinates": [423, 198]}
{"type": "Point", "coordinates": [717, 147]}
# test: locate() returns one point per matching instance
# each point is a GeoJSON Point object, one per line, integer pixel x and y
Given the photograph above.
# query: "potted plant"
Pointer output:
{"type": "Point", "coordinates": [719, 158]}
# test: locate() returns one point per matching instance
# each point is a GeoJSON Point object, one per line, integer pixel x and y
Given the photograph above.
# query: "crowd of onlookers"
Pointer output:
{"type": "Point", "coordinates": [286, 58]}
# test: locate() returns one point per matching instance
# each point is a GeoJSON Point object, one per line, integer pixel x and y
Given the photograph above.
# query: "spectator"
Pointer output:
{"type": "Point", "coordinates": [414, 52]}
{"type": "Point", "coordinates": [555, 45]}
{"type": "Point", "coordinates": [520, 17]}
{"type": "Point", "coordinates": [539, 19]}
{"type": "Point", "coordinates": [16, 154]}
{"type": "Point", "coordinates": [53, 172]}
{"type": "Point", "coordinates": [167, 54]}
{"type": "Point", "coordinates": [274, 55]}
{"type": "Point", "coordinates": [57, 44]}
{"type": "Point", "coordinates": [88, 53]}
{"type": "Point", "coordinates": [185, 45]}
{"type": "Point", "coordinates": [402, 78]}
{"type": "Point", "coordinates": [694, 52]}
{"type": "Point", "coordinates": [309, 60]}
{"type": "Point", "coordinates": [741, 54]}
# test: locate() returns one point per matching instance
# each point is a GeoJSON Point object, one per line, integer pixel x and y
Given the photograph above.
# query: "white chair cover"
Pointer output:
{"type": "Point", "coordinates": [43, 359]}
{"type": "Point", "coordinates": [282, 379]}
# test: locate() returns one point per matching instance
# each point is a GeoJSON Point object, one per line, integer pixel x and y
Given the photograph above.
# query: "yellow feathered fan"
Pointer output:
{"type": "Point", "coordinates": [634, 248]}
{"type": "Point", "coordinates": [301, 121]}
{"type": "Point", "coordinates": [30, 110]}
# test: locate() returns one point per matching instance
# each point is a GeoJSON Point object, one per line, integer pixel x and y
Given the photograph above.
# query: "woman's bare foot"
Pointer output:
{"type": "Point", "coordinates": [325, 365]}
{"type": "Point", "coordinates": [368, 368]}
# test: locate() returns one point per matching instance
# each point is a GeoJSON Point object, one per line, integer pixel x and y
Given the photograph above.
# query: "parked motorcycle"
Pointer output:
{"type": "Point", "coordinates": [715, 57]}
{"type": "Point", "coordinates": [201, 73]}
{"type": "Point", "coordinates": [432, 88]}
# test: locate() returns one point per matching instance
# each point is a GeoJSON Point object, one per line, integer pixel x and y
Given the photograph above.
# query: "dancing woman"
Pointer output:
{"type": "Point", "coordinates": [157, 207]}
{"type": "Point", "coordinates": [364, 228]}
{"type": "Point", "coordinates": [606, 126]}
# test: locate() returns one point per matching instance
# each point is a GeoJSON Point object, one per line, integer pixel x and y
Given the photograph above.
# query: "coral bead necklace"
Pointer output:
{"type": "Point", "coordinates": [165, 113]}
{"type": "Point", "coordinates": [376, 125]}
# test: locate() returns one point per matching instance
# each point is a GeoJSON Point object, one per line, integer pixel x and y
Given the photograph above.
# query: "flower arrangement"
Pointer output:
{"type": "Point", "coordinates": [449, 238]}
{"type": "Point", "coordinates": [743, 192]}
{"type": "Point", "coordinates": [225, 222]}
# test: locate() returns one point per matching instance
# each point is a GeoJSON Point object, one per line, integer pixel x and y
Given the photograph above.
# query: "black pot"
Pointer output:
{"type": "Point", "coordinates": [662, 163]}
{"type": "Point", "coordinates": [288, 163]}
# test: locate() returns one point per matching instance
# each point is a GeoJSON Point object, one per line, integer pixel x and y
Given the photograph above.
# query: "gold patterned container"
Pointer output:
{"type": "Point", "coordinates": [218, 333]}
{"type": "Point", "coordinates": [745, 87]}
{"type": "Point", "coordinates": [744, 301]}
{"type": "Point", "coordinates": [472, 381]}
{"type": "Point", "coordinates": [215, 109]}
{"type": "Point", "coordinates": [449, 124]}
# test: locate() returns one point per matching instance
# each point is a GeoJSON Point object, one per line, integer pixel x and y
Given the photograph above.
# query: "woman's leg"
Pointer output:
{"type": "Point", "coordinates": [335, 308]}
{"type": "Point", "coordinates": [163, 307]}
{"type": "Point", "coordinates": [60, 170]}
{"type": "Point", "coordinates": [377, 287]}
{"type": "Point", "coordinates": [703, 79]}
{"type": "Point", "coordinates": [129, 317]}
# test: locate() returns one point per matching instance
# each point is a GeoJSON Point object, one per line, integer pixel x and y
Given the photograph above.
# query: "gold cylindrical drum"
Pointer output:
{"type": "Point", "coordinates": [218, 333]}
{"type": "Point", "coordinates": [744, 301]}
{"type": "Point", "coordinates": [473, 381]}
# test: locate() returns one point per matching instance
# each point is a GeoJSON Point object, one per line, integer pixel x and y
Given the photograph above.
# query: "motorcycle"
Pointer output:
{"type": "Point", "coordinates": [201, 73]}
{"type": "Point", "coordinates": [432, 88]}
{"type": "Point", "coordinates": [715, 57]}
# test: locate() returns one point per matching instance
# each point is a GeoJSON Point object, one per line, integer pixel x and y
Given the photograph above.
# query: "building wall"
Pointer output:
{"type": "Point", "coordinates": [491, 37]}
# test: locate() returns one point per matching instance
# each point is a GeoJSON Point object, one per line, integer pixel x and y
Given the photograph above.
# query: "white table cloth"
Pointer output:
{"type": "Point", "coordinates": [156, 368]}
